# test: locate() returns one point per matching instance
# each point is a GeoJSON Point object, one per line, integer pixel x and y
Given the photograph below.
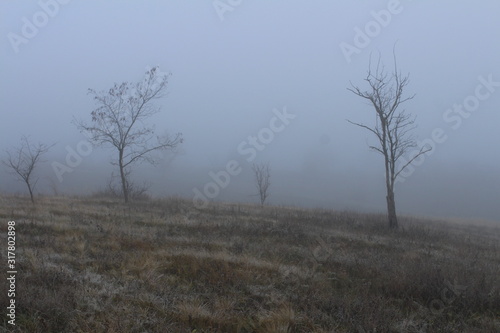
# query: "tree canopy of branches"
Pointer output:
{"type": "Point", "coordinates": [262, 175]}
{"type": "Point", "coordinates": [23, 160]}
{"type": "Point", "coordinates": [393, 126]}
{"type": "Point", "coordinates": [119, 122]}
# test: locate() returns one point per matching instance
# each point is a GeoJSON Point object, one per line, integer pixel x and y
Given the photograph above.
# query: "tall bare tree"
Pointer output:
{"type": "Point", "coordinates": [392, 126]}
{"type": "Point", "coordinates": [262, 175]}
{"type": "Point", "coordinates": [23, 160]}
{"type": "Point", "coordinates": [119, 122]}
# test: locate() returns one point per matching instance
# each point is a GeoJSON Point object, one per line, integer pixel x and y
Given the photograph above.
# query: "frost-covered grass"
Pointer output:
{"type": "Point", "coordinates": [97, 265]}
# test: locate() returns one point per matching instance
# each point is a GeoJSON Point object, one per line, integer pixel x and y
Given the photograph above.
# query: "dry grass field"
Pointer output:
{"type": "Point", "coordinates": [96, 265]}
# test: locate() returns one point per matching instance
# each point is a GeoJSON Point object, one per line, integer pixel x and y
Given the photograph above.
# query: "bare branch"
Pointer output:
{"type": "Point", "coordinates": [374, 131]}
{"type": "Point", "coordinates": [143, 154]}
{"type": "Point", "coordinates": [421, 152]}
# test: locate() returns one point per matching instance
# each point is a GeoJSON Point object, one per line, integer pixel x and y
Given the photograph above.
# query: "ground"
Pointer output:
{"type": "Point", "coordinates": [90, 264]}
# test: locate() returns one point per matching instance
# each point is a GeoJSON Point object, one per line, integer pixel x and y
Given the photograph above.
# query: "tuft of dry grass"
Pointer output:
{"type": "Point", "coordinates": [93, 264]}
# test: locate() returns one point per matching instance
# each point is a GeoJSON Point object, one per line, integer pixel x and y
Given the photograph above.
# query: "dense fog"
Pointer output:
{"type": "Point", "coordinates": [262, 82]}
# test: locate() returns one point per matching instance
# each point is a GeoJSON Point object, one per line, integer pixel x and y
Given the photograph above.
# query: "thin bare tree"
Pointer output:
{"type": "Point", "coordinates": [393, 126]}
{"type": "Point", "coordinates": [23, 160]}
{"type": "Point", "coordinates": [262, 175]}
{"type": "Point", "coordinates": [119, 122]}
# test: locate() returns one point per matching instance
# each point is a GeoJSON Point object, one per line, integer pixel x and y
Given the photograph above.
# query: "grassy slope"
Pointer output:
{"type": "Point", "coordinates": [96, 265]}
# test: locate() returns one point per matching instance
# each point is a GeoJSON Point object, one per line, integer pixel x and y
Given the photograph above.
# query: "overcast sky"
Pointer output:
{"type": "Point", "coordinates": [235, 65]}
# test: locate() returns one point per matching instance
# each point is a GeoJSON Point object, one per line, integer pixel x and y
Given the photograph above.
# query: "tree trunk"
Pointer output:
{"type": "Point", "coordinates": [391, 210]}
{"type": "Point", "coordinates": [123, 177]}
{"type": "Point", "coordinates": [389, 182]}
{"type": "Point", "coordinates": [31, 192]}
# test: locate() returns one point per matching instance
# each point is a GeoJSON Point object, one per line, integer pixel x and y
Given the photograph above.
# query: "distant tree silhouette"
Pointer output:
{"type": "Point", "coordinates": [392, 125]}
{"type": "Point", "coordinates": [23, 160]}
{"type": "Point", "coordinates": [262, 175]}
{"type": "Point", "coordinates": [119, 121]}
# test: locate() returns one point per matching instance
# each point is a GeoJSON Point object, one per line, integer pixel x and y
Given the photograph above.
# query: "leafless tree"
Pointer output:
{"type": "Point", "coordinates": [23, 160]}
{"type": "Point", "coordinates": [262, 180]}
{"type": "Point", "coordinates": [392, 127]}
{"type": "Point", "coordinates": [119, 122]}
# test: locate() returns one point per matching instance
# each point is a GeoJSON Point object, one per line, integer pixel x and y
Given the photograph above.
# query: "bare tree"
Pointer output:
{"type": "Point", "coordinates": [262, 180]}
{"type": "Point", "coordinates": [392, 126]}
{"type": "Point", "coordinates": [23, 160]}
{"type": "Point", "coordinates": [119, 122]}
